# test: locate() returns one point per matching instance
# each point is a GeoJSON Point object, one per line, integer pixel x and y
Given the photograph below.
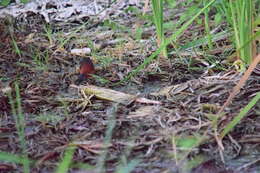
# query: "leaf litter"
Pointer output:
{"type": "Point", "coordinates": [58, 115]}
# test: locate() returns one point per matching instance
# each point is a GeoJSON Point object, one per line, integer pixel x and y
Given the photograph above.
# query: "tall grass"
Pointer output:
{"type": "Point", "coordinates": [242, 23]}
{"type": "Point", "coordinates": [239, 15]}
{"type": "Point", "coordinates": [207, 26]}
{"type": "Point", "coordinates": [158, 21]}
{"type": "Point", "coordinates": [108, 137]}
{"type": "Point", "coordinates": [122, 167]}
{"type": "Point", "coordinates": [167, 41]}
{"type": "Point", "coordinates": [20, 125]}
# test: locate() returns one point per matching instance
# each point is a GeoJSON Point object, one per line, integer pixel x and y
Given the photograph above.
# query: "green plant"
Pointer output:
{"type": "Point", "coordinates": [241, 115]}
{"type": "Point", "coordinates": [182, 146]}
{"type": "Point", "coordinates": [40, 59]}
{"type": "Point", "coordinates": [138, 33]}
{"type": "Point", "coordinates": [48, 118]}
{"type": "Point", "coordinates": [203, 41]}
{"type": "Point", "coordinates": [242, 14]}
{"type": "Point", "coordinates": [64, 165]}
{"type": "Point", "coordinates": [239, 15]}
{"type": "Point", "coordinates": [7, 2]}
{"type": "Point", "coordinates": [20, 126]}
{"type": "Point", "coordinates": [108, 136]}
{"type": "Point", "coordinates": [207, 27]}
{"type": "Point", "coordinates": [129, 167]}
{"type": "Point", "coordinates": [13, 158]}
{"type": "Point", "coordinates": [171, 39]}
{"type": "Point", "coordinates": [15, 46]}
{"type": "Point", "coordinates": [64, 39]}
{"type": "Point", "coordinates": [48, 33]}
{"type": "Point", "coordinates": [24, 1]}
{"type": "Point", "coordinates": [158, 21]}
{"type": "Point", "coordinates": [114, 25]}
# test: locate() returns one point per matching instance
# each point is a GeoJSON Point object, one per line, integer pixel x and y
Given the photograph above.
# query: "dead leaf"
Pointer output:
{"type": "Point", "coordinates": [143, 112]}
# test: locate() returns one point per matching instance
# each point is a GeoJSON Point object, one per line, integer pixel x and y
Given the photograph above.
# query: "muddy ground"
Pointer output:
{"type": "Point", "coordinates": [36, 56]}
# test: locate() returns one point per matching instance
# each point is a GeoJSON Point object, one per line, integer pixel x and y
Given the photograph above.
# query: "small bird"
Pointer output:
{"type": "Point", "coordinates": [86, 68]}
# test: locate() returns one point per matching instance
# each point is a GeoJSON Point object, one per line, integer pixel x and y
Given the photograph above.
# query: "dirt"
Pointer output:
{"type": "Point", "coordinates": [57, 115]}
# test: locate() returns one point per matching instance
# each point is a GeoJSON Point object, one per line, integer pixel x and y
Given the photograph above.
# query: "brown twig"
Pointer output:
{"type": "Point", "coordinates": [241, 83]}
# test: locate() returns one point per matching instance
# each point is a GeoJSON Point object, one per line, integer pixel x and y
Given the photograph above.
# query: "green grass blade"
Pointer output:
{"type": "Point", "coordinates": [67, 159]}
{"type": "Point", "coordinates": [108, 137]}
{"type": "Point", "coordinates": [167, 41]}
{"type": "Point", "coordinates": [204, 41]}
{"type": "Point", "coordinates": [20, 125]}
{"type": "Point", "coordinates": [8, 157]}
{"type": "Point", "coordinates": [5, 2]}
{"type": "Point", "coordinates": [241, 115]}
{"type": "Point", "coordinates": [158, 21]}
{"type": "Point", "coordinates": [207, 27]}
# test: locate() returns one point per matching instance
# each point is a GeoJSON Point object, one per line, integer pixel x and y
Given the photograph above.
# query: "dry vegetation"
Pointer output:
{"type": "Point", "coordinates": [190, 88]}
